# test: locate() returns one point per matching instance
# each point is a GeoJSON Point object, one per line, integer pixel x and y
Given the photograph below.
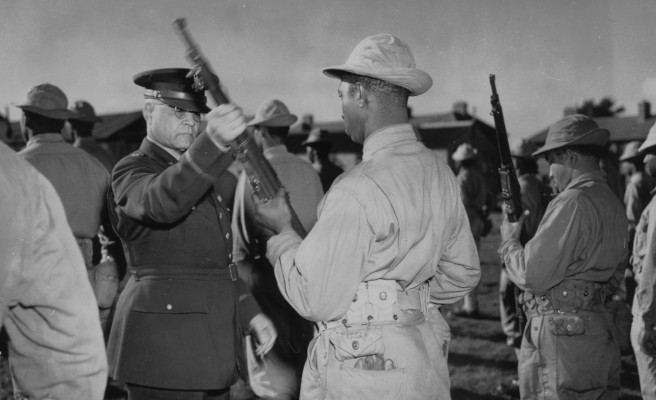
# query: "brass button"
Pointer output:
{"type": "Point", "coordinates": [169, 307]}
{"type": "Point", "coordinates": [585, 293]}
{"type": "Point", "coordinates": [569, 327]}
{"type": "Point", "coordinates": [355, 345]}
{"type": "Point", "coordinates": [383, 296]}
{"type": "Point", "coordinates": [370, 317]}
{"type": "Point", "coordinates": [542, 297]}
{"type": "Point", "coordinates": [564, 293]}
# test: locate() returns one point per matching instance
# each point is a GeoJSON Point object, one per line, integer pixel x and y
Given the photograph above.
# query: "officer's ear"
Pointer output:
{"type": "Point", "coordinates": [148, 112]}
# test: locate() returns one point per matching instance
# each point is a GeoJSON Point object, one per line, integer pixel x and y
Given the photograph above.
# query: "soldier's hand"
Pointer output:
{"type": "Point", "coordinates": [274, 215]}
{"type": "Point", "coordinates": [512, 230]}
{"type": "Point", "coordinates": [265, 334]}
{"type": "Point", "coordinates": [224, 124]}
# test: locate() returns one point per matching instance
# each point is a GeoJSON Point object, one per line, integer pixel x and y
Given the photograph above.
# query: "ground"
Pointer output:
{"type": "Point", "coordinates": [479, 359]}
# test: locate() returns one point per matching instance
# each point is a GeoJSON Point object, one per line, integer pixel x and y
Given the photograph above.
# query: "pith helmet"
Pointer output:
{"type": "Point", "coordinates": [273, 113]}
{"type": "Point", "coordinates": [384, 57]}
{"type": "Point", "coordinates": [47, 100]}
{"type": "Point", "coordinates": [84, 112]}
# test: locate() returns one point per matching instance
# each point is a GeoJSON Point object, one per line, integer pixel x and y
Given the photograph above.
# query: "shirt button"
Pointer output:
{"type": "Point", "coordinates": [169, 307]}
{"type": "Point", "coordinates": [228, 235]}
{"type": "Point", "coordinates": [355, 345]}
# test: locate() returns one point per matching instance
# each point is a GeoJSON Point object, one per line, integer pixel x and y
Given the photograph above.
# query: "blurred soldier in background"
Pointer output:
{"type": "Point", "coordinates": [270, 129]}
{"type": "Point", "coordinates": [179, 323]}
{"type": "Point", "coordinates": [82, 128]}
{"type": "Point", "coordinates": [56, 348]}
{"type": "Point", "coordinates": [79, 178]}
{"type": "Point", "coordinates": [385, 230]}
{"type": "Point", "coordinates": [473, 192]}
{"type": "Point", "coordinates": [636, 197]}
{"type": "Point", "coordinates": [317, 147]}
{"type": "Point", "coordinates": [575, 259]}
{"type": "Point", "coordinates": [643, 329]}
{"type": "Point", "coordinates": [535, 197]}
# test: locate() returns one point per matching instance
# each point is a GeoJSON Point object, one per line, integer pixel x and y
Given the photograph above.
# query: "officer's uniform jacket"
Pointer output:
{"type": "Point", "coordinates": [180, 318]}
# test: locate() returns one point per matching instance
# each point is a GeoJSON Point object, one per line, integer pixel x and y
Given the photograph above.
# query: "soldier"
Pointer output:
{"type": "Point", "coordinates": [56, 348]}
{"type": "Point", "coordinates": [82, 125]}
{"type": "Point", "coordinates": [79, 178]}
{"type": "Point", "coordinates": [385, 230]}
{"type": "Point", "coordinates": [473, 191]}
{"type": "Point", "coordinates": [179, 321]}
{"type": "Point", "coordinates": [643, 328]}
{"type": "Point", "coordinates": [574, 261]}
{"type": "Point", "coordinates": [270, 129]}
{"type": "Point", "coordinates": [317, 147]}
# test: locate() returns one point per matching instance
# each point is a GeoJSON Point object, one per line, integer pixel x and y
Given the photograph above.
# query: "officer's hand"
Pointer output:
{"type": "Point", "coordinates": [512, 230]}
{"type": "Point", "coordinates": [265, 334]}
{"type": "Point", "coordinates": [274, 215]}
{"type": "Point", "coordinates": [224, 124]}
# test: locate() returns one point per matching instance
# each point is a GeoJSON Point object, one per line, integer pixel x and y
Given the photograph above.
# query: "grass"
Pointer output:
{"type": "Point", "coordinates": [479, 359]}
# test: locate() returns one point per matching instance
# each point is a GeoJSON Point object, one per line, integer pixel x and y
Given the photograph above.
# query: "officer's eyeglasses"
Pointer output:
{"type": "Point", "coordinates": [181, 114]}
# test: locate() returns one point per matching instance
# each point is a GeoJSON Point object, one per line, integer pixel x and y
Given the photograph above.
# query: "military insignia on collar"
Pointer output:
{"type": "Point", "coordinates": [199, 83]}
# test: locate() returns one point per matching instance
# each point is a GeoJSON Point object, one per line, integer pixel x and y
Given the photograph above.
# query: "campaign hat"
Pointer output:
{"type": "Point", "coordinates": [576, 129]}
{"type": "Point", "coordinates": [84, 112]}
{"type": "Point", "coordinates": [176, 87]}
{"type": "Point", "coordinates": [385, 57]}
{"type": "Point", "coordinates": [48, 101]}
{"type": "Point", "coordinates": [273, 113]}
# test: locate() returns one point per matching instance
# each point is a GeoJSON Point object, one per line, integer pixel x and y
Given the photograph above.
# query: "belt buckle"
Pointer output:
{"type": "Point", "coordinates": [233, 272]}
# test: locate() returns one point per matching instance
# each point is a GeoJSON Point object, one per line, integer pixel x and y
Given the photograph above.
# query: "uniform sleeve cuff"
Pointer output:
{"type": "Point", "coordinates": [281, 243]}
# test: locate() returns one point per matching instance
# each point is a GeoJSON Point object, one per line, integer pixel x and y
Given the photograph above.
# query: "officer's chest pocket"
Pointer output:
{"type": "Point", "coordinates": [165, 296]}
{"type": "Point", "coordinates": [357, 343]}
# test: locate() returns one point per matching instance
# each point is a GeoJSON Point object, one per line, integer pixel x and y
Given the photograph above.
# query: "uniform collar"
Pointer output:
{"type": "Point", "coordinates": [277, 149]}
{"type": "Point", "coordinates": [173, 153]}
{"type": "Point", "coordinates": [388, 136]}
{"type": "Point", "coordinates": [45, 138]}
{"type": "Point", "coordinates": [157, 152]}
{"type": "Point", "coordinates": [587, 177]}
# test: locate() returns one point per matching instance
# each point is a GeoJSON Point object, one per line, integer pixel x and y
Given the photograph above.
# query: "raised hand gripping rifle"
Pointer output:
{"type": "Point", "coordinates": [510, 191]}
{"type": "Point", "coordinates": [261, 175]}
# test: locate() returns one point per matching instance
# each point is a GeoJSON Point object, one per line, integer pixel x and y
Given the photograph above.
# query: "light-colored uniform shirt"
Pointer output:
{"type": "Point", "coordinates": [397, 216]}
{"type": "Point", "coordinates": [637, 196]}
{"type": "Point", "coordinates": [79, 178]}
{"type": "Point", "coordinates": [46, 302]}
{"type": "Point", "coordinates": [644, 266]}
{"type": "Point", "coordinates": [580, 237]}
{"type": "Point", "coordinates": [300, 180]}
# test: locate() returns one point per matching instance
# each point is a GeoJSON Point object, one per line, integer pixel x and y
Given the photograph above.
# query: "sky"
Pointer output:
{"type": "Point", "coordinates": [546, 54]}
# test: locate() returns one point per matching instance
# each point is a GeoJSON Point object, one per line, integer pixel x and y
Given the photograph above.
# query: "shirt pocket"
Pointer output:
{"type": "Point", "coordinates": [165, 296]}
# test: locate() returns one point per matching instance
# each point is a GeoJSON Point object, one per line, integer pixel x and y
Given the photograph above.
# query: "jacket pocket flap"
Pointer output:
{"type": "Point", "coordinates": [354, 344]}
{"type": "Point", "coordinates": [169, 297]}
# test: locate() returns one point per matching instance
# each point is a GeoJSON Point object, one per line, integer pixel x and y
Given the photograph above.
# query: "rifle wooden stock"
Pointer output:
{"type": "Point", "coordinates": [260, 173]}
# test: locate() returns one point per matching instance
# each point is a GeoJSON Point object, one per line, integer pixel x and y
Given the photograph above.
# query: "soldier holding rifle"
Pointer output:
{"type": "Point", "coordinates": [572, 264]}
{"type": "Point", "coordinates": [179, 322]}
{"type": "Point", "coordinates": [392, 239]}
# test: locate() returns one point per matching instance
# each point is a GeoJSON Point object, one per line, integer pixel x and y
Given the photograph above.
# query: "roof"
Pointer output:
{"type": "Point", "coordinates": [123, 123]}
{"type": "Point", "coordinates": [622, 129]}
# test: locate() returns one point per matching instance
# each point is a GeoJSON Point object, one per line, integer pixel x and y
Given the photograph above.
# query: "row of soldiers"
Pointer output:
{"type": "Point", "coordinates": [387, 245]}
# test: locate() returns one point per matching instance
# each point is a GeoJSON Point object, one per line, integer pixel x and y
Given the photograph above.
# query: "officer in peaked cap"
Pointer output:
{"type": "Point", "coordinates": [167, 208]}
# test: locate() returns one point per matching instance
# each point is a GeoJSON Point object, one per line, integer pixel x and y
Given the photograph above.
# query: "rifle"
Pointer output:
{"type": "Point", "coordinates": [510, 191]}
{"type": "Point", "coordinates": [260, 174]}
